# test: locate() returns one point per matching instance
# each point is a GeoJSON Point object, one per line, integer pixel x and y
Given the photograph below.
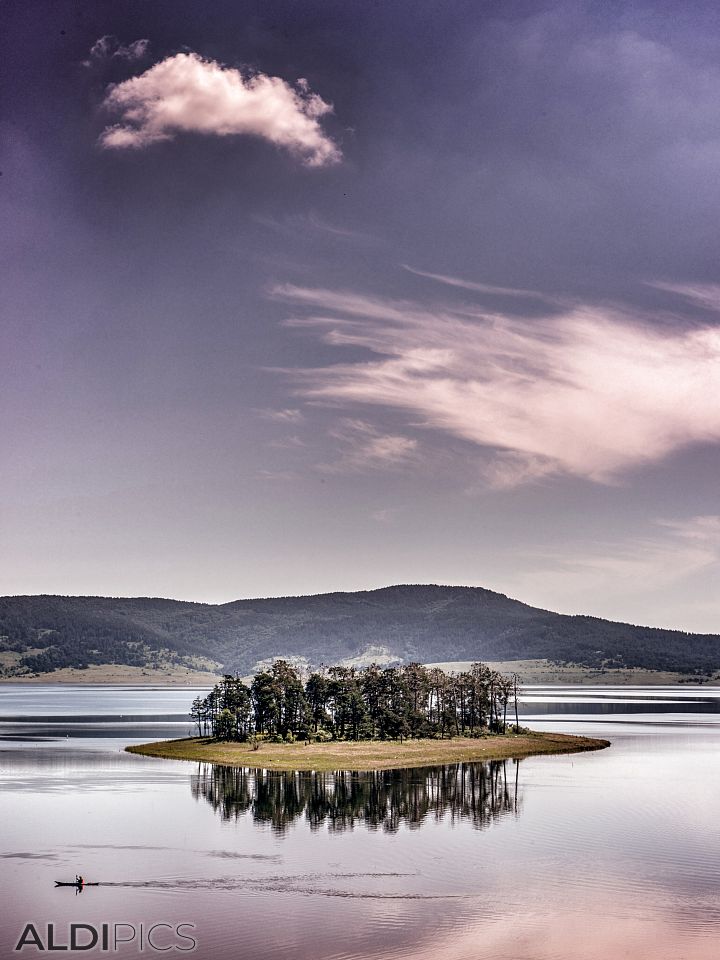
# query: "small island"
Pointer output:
{"type": "Point", "coordinates": [376, 718]}
{"type": "Point", "coordinates": [369, 755]}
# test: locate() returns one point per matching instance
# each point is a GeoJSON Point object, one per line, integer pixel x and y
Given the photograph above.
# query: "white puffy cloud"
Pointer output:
{"type": "Point", "coordinates": [590, 392]}
{"type": "Point", "coordinates": [187, 94]}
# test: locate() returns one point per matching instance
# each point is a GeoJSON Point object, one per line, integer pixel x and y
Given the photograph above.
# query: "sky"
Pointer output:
{"type": "Point", "coordinates": [303, 297]}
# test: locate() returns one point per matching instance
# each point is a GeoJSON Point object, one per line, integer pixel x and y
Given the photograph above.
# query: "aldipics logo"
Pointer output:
{"type": "Point", "coordinates": [108, 937]}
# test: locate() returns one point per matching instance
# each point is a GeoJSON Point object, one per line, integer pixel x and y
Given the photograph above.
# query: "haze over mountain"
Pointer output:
{"type": "Point", "coordinates": [425, 623]}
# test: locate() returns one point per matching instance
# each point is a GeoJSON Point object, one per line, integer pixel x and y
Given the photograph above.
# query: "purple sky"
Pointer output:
{"type": "Point", "coordinates": [305, 297]}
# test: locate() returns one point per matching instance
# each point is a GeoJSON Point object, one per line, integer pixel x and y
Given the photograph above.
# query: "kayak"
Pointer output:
{"type": "Point", "coordinates": [59, 883]}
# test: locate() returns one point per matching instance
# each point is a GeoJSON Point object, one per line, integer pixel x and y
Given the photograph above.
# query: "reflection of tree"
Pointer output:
{"type": "Point", "coordinates": [479, 792]}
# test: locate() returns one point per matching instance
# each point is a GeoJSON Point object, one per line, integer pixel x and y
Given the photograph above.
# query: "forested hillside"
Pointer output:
{"type": "Point", "coordinates": [400, 624]}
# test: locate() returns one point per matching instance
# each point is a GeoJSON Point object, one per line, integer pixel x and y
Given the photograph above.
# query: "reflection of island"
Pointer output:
{"type": "Point", "coordinates": [478, 792]}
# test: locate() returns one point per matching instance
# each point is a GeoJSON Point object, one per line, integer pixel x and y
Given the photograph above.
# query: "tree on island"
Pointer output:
{"type": "Point", "coordinates": [346, 703]}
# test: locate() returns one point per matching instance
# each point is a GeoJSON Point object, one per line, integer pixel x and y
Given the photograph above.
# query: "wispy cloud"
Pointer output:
{"type": "Point", "coordinates": [590, 392]}
{"type": "Point", "coordinates": [301, 224]}
{"type": "Point", "coordinates": [288, 415]}
{"type": "Point", "coordinates": [622, 570]}
{"type": "Point", "coordinates": [479, 287]}
{"type": "Point", "coordinates": [706, 295]}
{"type": "Point", "coordinates": [109, 47]}
{"type": "Point", "coordinates": [292, 442]}
{"type": "Point", "coordinates": [187, 94]}
{"type": "Point", "coordinates": [677, 550]}
{"type": "Point", "coordinates": [363, 447]}
{"type": "Point", "coordinates": [703, 530]}
{"type": "Point", "coordinates": [385, 515]}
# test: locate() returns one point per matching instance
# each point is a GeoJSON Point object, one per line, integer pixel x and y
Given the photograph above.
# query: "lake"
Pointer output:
{"type": "Point", "coordinates": [600, 855]}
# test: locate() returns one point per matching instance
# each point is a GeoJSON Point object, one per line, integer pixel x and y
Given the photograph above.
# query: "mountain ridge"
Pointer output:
{"type": "Point", "coordinates": [426, 622]}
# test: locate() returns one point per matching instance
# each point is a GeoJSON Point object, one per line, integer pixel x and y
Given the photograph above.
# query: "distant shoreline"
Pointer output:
{"type": "Point", "coordinates": [530, 672]}
{"type": "Point", "coordinates": [116, 675]}
{"type": "Point", "coordinates": [366, 755]}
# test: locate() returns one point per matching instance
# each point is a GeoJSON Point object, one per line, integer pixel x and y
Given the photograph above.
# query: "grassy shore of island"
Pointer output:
{"type": "Point", "coordinates": [368, 754]}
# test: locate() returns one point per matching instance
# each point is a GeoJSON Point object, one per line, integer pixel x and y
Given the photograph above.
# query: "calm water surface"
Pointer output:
{"type": "Point", "coordinates": [609, 854]}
